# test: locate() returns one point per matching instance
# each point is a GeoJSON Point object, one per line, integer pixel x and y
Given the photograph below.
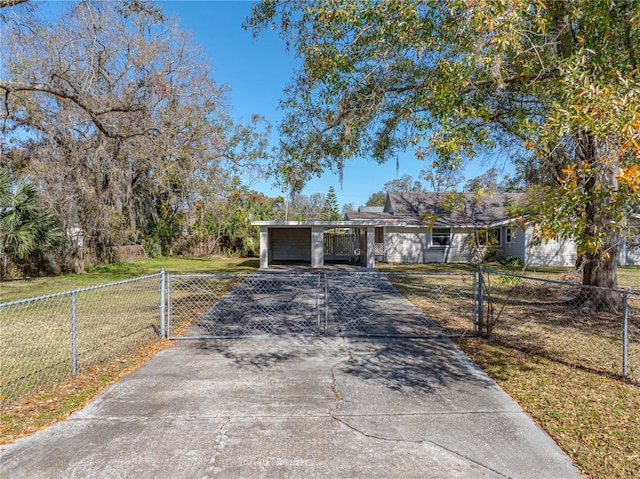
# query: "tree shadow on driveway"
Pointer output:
{"type": "Point", "coordinates": [403, 364]}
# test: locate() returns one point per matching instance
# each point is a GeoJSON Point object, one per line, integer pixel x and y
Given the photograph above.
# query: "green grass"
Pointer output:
{"type": "Point", "coordinates": [27, 288]}
{"type": "Point", "coordinates": [112, 321]}
{"type": "Point", "coordinates": [593, 417]}
{"type": "Point", "coordinates": [628, 276]}
{"type": "Point", "coordinates": [35, 341]}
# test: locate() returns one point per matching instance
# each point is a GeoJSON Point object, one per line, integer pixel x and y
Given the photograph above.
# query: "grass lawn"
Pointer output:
{"type": "Point", "coordinates": [628, 276]}
{"type": "Point", "coordinates": [23, 415]}
{"type": "Point", "coordinates": [594, 417]}
{"type": "Point", "coordinates": [20, 289]}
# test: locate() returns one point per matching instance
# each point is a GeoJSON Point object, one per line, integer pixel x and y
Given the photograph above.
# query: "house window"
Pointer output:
{"type": "Point", "coordinates": [507, 236]}
{"type": "Point", "coordinates": [440, 237]}
{"type": "Point", "coordinates": [489, 236]}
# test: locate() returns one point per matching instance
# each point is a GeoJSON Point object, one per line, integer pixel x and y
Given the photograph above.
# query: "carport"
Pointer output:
{"type": "Point", "coordinates": [304, 241]}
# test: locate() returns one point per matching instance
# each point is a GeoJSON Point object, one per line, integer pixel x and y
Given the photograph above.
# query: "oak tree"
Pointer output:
{"type": "Point", "coordinates": [113, 111]}
{"type": "Point", "coordinates": [556, 81]}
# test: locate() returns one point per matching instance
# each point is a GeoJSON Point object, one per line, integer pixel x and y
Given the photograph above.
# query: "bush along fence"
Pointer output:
{"type": "Point", "coordinates": [47, 339]}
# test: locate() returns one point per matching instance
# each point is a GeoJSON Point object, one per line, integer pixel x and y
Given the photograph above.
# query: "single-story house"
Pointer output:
{"type": "Point", "coordinates": [443, 228]}
{"type": "Point", "coordinates": [419, 227]}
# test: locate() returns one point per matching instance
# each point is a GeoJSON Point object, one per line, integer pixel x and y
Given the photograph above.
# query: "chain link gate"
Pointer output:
{"type": "Point", "coordinates": [207, 306]}
{"type": "Point", "coordinates": [400, 304]}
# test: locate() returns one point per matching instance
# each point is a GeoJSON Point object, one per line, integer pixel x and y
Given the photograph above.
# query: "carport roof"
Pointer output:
{"type": "Point", "coordinates": [325, 224]}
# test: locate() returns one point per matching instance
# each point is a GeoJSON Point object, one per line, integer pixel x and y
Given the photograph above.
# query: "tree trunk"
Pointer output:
{"type": "Point", "coordinates": [600, 267]}
{"type": "Point", "coordinates": [603, 273]}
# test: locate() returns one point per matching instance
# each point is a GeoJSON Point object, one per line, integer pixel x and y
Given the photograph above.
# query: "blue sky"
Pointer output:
{"type": "Point", "coordinates": [257, 70]}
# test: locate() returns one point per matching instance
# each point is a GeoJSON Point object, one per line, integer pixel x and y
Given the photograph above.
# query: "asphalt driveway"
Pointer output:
{"type": "Point", "coordinates": [296, 407]}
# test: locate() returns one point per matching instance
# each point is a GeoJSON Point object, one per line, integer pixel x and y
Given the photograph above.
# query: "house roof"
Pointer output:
{"type": "Point", "coordinates": [443, 209]}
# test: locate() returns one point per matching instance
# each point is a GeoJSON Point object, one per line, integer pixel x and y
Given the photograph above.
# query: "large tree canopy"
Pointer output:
{"type": "Point", "coordinates": [113, 112]}
{"type": "Point", "coordinates": [557, 81]}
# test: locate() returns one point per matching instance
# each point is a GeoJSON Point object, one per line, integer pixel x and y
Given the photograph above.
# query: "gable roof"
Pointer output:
{"type": "Point", "coordinates": [444, 209]}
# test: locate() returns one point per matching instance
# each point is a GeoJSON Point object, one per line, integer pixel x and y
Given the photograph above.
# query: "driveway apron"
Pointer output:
{"type": "Point", "coordinates": [298, 407]}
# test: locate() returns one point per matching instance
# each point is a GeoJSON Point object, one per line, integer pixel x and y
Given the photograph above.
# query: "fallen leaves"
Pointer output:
{"type": "Point", "coordinates": [23, 416]}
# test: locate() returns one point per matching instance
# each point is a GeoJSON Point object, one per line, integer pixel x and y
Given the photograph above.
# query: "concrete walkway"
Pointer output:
{"type": "Point", "coordinates": [327, 407]}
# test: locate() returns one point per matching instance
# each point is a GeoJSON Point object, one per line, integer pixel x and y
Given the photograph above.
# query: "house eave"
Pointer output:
{"type": "Point", "coordinates": [321, 224]}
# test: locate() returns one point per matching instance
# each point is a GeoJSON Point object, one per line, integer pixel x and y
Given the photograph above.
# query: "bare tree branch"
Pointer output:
{"type": "Point", "coordinates": [13, 86]}
{"type": "Point", "coordinates": [11, 3]}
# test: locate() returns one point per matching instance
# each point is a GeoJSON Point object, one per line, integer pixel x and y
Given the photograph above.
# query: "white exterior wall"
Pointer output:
{"type": "Point", "coordinates": [631, 257]}
{"type": "Point", "coordinates": [413, 245]}
{"type": "Point", "coordinates": [405, 245]}
{"type": "Point", "coordinates": [630, 248]}
{"type": "Point", "coordinates": [290, 244]}
{"type": "Point", "coordinates": [517, 247]}
{"type": "Point", "coordinates": [561, 252]}
{"type": "Point", "coordinates": [460, 250]}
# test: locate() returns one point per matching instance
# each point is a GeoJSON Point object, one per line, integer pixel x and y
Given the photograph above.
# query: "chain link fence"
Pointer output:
{"type": "Point", "coordinates": [233, 305]}
{"type": "Point", "coordinates": [351, 304]}
{"type": "Point", "coordinates": [596, 329]}
{"type": "Point", "coordinates": [402, 303]}
{"type": "Point", "coordinates": [46, 339]}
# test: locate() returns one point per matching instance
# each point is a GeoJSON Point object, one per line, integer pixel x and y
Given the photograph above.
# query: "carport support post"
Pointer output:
{"type": "Point", "coordinates": [317, 247]}
{"type": "Point", "coordinates": [264, 247]}
{"type": "Point", "coordinates": [371, 247]}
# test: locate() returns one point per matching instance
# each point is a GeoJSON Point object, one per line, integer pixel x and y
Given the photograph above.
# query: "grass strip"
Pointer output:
{"type": "Point", "coordinates": [25, 415]}
{"type": "Point", "coordinates": [595, 418]}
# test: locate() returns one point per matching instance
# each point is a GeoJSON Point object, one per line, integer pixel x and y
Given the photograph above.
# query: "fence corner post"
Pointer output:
{"type": "Point", "coordinates": [480, 300]}
{"type": "Point", "coordinates": [74, 336]}
{"type": "Point", "coordinates": [163, 288]}
{"type": "Point", "coordinates": [326, 304]}
{"type": "Point", "coordinates": [625, 334]}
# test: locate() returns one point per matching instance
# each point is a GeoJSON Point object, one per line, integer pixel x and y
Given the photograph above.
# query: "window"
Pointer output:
{"type": "Point", "coordinates": [489, 236]}
{"type": "Point", "coordinates": [440, 237]}
{"type": "Point", "coordinates": [507, 236]}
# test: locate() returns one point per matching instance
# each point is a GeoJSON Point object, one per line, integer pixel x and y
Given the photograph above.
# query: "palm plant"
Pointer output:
{"type": "Point", "coordinates": [25, 226]}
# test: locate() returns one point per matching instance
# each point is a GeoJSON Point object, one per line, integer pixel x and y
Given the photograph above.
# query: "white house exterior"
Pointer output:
{"type": "Point", "coordinates": [431, 228]}
{"type": "Point", "coordinates": [421, 228]}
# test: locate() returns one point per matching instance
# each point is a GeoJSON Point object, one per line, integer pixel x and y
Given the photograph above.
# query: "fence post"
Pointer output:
{"type": "Point", "coordinates": [326, 304]}
{"type": "Point", "coordinates": [318, 331]}
{"type": "Point", "coordinates": [163, 286]}
{"type": "Point", "coordinates": [169, 312]}
{"type": "Point", "coordinates": [625, 333]}
{"type": "Point", "coordinates": [474, 303]}
{"type": "Point", "coordinates": [480, 307]}
{"type": "Point", "coordinates": [74, 338]}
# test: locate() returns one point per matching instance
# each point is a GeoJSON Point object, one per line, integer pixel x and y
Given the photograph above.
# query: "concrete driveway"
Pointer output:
{"type": "Point", "coordinates": [323, 407]}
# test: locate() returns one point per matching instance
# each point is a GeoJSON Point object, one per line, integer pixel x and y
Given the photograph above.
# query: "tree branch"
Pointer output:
{"type": "Point", "coordinates": [13, 86]}
{"type": "Point", "coordinates": [11, 3]}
